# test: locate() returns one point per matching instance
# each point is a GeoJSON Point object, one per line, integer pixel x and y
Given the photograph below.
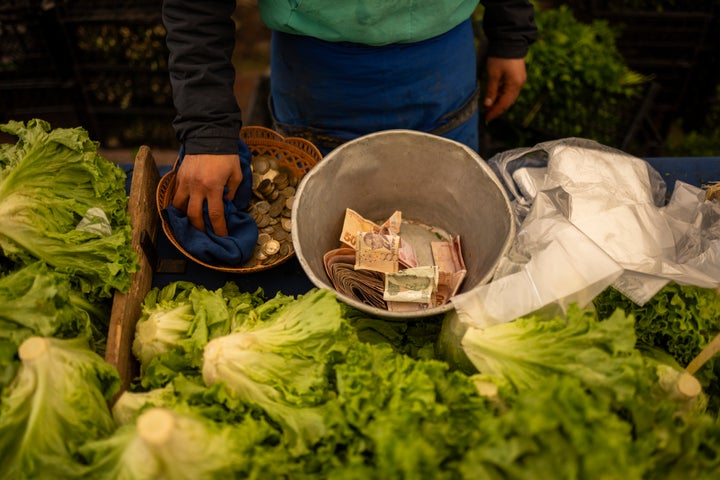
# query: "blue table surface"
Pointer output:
{"type": "Point", "coordinates": [696, 171]}
{"type": "Point", "coordinates": [290, 279]}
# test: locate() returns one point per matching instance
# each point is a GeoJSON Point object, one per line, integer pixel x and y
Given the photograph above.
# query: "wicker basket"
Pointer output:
{"type": "Point", "coordinates": [296, 154]}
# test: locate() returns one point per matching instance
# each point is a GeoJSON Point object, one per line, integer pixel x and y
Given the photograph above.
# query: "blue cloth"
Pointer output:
{"type": "Point", "coordinates": [345, 90]}
{"type": "Point", "coordinates": [231, 250]}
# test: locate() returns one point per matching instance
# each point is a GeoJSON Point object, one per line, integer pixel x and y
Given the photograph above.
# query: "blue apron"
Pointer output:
{"type": "Point", "coordinates": [331, 92]}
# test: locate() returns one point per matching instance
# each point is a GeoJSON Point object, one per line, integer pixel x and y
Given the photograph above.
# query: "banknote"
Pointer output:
{"type": "Point", "coordinates": [378, 267]}
{"type": "Point", "coordinates": [353, 224]}
{"type": "Point", "coordinates": [406, 254]}
{"type": "Point", "coordinates": [408, 306]}
{"type": "Point", "coordinates": [392, 224]}
{"type": "Point", "coordinates": [411, 285]}
{"type": "Point", "coordinates": [447, 256]}
{"type": "Point", "coordinates": [377, 252]}
{"type": "Point", "coordinates": [343, 255]}
{"type": "Point", "coordinates": [365, 286]}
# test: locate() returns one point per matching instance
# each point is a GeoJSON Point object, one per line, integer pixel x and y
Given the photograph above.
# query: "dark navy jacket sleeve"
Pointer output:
{"type": "Point", "coordinates": [509, 26]}
{"type": "Point", "coordinates": [201, 39]}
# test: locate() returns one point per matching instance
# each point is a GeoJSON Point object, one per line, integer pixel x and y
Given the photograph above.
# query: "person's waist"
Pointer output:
{"type": "Point", "coordinates": [303, 58]}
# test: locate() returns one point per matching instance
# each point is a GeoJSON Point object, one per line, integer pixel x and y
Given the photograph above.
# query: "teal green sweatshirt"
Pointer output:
{"type": "Point", "coordinates": [371, 22]}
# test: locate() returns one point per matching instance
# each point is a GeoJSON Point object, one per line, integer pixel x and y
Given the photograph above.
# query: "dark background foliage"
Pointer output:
{"type": "Point", "coordinates": [643, 76]}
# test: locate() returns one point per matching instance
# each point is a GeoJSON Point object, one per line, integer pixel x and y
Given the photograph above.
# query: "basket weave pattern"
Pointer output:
{"type": "Point", "coordinates": [296, 154]}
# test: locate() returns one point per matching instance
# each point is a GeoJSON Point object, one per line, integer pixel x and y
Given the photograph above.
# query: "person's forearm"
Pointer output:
{"type": "Point", "coordinates": [509, 27]}
{"type": "Point", "coordinates": [201, 39]}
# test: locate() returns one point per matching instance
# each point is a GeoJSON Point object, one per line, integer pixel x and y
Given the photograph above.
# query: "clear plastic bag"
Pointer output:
{"type": "Point", "coordinates": [591, 216]}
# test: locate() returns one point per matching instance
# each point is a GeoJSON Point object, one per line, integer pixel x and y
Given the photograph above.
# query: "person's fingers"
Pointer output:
{"type": "Point", "coordinates": [201, 182]}
{"type": "Point", "coordinates": [508, 96]}
{"type": "Point", "coordinates": [491, 90]}
{"type": "Point", "coordinates": [506, 77]}
{"type": "Point", "coordinates": [181, 195]}
{"type": "Point", "coordinates": [233, 183]}
{"type": "Point", "coordinates": [216, 214]}
{"type": "Point", "coordinates": [195, 212]}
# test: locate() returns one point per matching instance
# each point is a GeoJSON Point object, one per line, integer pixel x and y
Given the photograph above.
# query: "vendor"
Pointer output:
{"type": "Point", "coordinates": [339, 69]}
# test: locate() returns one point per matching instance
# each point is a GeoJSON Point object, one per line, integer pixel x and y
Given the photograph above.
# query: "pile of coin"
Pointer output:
{"type": "Point", "coordinates": [271, 208]}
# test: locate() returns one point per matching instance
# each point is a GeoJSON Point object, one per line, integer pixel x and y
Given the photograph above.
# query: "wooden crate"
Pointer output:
{"type": "Point", "coordinates": [127, 307]}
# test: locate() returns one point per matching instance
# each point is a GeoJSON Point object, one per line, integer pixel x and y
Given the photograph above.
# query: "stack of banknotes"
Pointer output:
{"type": "Point", "coordinates": [376, 265]}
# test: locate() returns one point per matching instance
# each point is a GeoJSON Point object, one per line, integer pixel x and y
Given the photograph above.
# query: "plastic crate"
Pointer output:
{"type": "Point", "coordinates": [14, 6]}
{"type": "Point", "coordinates": [36, 71]}
{"type": "Point", "coordinates": [130, 128]}
{"type": "Point", "coordinates": [98, 64]}
{"type": "Point", "coordinates": [120, 63]}
{"type": "Point", "coordinates": [121, 89]}
{"type": "Point", "coordinates": [109, 10]}
{"type": "Point", "coordinates": [121, 42]}
{"type": "Point", "coordinates": [39, 99]}
{"type": "Point", "coordinates": [32, 47]}
{"type": "Point", "coordinates": [670, 45]}
{"type": "Point", "coordinates": [53, 104]}
{"type": "Point", "coordinates": [585, 8]}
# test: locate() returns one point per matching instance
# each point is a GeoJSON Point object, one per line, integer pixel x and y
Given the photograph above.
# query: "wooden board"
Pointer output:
{"type": "Point", "coordinates": [127, 307]}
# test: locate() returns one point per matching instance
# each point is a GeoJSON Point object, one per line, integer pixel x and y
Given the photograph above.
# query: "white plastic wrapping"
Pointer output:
{"type": "Point", "coordinates": [589, 217]}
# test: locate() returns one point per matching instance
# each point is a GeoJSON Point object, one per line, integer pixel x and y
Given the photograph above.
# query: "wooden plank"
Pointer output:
{"type": "Point", "coordinates": [128, 306]}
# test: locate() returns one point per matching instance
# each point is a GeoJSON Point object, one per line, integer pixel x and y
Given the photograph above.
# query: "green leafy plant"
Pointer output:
{"type": "Point", "coordinates": [57, 401]}
{"type": "Point", "coordinates": [702, 142]}
{"type": "Point", "coordinates": [578, 83]}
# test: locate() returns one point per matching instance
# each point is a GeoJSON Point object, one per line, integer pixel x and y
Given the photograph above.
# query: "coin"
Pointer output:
{"type": "Point", "coordinates": [250, 263]}
{"type": "Point", "coordinates": [279, 235]}
{"type": "Point", "coordinates": [265, 187]}
{"type": "Point", "coordinates": [274, 195]}
{"type": "Point", "coordinates": [263, 238]}
{"type": "Point", "coordinates": [261, 164]}
{"type": "Point", "coordinates": [274, 188]}
{"type": "Point", "coordinates": [263, 221]}
{"type": "Point", "coordinates": [276, 207]}
{"type": "Point", "coordinates": [257, 178]}
{"type": "Point", "coordinates": [260, 254]}
{"type": "Point", "coordinates": [281, 180]}
{"type": "Point", "coordinates": [272, 247]}
{"type": "Point", "coordinates": [262, 206]}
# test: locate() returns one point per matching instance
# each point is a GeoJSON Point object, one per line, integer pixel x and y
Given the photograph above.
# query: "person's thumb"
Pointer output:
{"type": "Point", "coordinates": [491, 92]}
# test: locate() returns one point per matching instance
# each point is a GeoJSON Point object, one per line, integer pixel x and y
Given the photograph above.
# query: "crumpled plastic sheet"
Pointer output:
{"type": "Point", "coordinates": [591, 216]}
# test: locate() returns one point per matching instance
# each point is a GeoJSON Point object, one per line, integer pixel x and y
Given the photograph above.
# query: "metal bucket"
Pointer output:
{"type": "Point", "coordinates": [430, 179]}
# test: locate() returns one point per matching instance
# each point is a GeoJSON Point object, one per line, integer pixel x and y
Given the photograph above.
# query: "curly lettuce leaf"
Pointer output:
{"type": "Point", "coordinates": [280, 365]}
{"type": "Point", "coordinates": [50, 181]}
{"type": "Point", "coordinates": [556, 430]}
{"type": "Point", "coordinates": [164, 443]}
{"type": "Point", "coordinates": [177, 322]}
{"type": "Point", "coordinates": [406, 418]}
{"type": "Point", "coordinates": [679, 320]}
{"type": "Point", "coordinates": [57, 401]}
{"type": "Point", "coordinates": [525, 351]}
{"type": "Point", "coordinates": [38, 301]}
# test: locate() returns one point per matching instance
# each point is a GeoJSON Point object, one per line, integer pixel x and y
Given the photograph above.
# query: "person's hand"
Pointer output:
{"type": "Point", "coordinates": [203, 178]}
{"type": "Point", "coordinates": [506, 76]}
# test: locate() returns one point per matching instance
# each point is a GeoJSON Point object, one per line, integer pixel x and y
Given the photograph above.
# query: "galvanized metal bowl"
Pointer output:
{"type": "Point", "coordinates": [430, 179]}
